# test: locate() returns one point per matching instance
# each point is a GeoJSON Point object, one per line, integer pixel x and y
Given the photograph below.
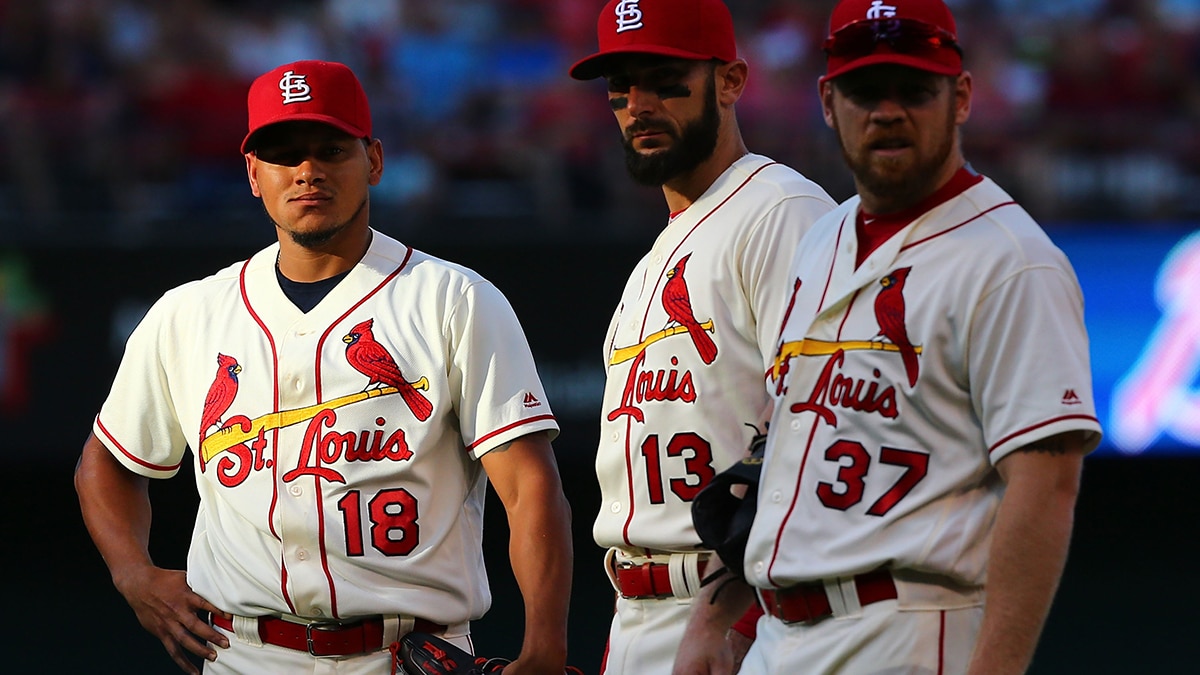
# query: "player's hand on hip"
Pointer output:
{"type": "Point", "coordinates": [168, 608]}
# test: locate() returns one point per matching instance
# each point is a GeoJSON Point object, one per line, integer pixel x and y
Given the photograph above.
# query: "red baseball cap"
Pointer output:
{"type": "Point", "coordinates": [686, 29]}
{"type": "Point", "coordinates": [915, 33]}
{"type": "Point", "coordinates": [315, 91]}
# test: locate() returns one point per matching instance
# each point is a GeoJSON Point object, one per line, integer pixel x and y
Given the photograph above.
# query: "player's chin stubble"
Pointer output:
{"type": "Point", "coordinates": [318, 238]}
{"type": "Point", "coordinates": [897, 184]}
{"type": "Point", "coordinates": [694, 145]}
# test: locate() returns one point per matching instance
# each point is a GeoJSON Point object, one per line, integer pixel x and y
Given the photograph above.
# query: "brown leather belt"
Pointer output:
{"type": "Point", "coordinates": [648, 580]}
{"type": "Point", "coordinates": [808, 602]}
{"type": "Point", "coordinates": [326, 638]}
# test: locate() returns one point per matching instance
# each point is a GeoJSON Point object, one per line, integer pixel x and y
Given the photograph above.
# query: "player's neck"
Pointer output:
{"type": "Point", "coordinates": [315, 263]}
{"type": "Point", "coordinates": [685, 189]}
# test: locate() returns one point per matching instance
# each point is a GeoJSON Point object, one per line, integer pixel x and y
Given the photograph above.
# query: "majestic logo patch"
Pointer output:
{"type": "Point", "coordinates": [629, 16]}
{"type": "Point", "coordinates": [1071, 398]}
{"type": "Point", "coordinates": [294, 88]}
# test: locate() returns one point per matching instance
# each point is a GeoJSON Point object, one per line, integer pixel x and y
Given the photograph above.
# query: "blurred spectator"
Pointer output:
{"type": "Point", "coordinates": [120, 111]}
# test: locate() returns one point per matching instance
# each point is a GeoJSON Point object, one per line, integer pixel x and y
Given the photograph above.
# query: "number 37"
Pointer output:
{"type": "Point", "coordinates": [852, 476]}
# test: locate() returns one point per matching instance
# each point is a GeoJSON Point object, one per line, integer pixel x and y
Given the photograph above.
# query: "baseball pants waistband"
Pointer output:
{"type": "Point", "coordinates": [659, 575]}
{"type": "Point", "coordinates": [326, 638]}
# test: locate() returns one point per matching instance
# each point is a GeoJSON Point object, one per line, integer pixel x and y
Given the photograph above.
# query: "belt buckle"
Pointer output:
{"type": "Point", "coordinates": [320, 626]}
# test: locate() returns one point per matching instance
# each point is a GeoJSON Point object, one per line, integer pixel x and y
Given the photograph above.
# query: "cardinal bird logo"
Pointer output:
{"type": "Point", "coordinates": [889, 312]}
{"type": "Point", "coordinates": [220, 393]}
{"type": "Point", "coordinates": [371, 359]}
{"type": "Point", "coordinates": [678, 304]}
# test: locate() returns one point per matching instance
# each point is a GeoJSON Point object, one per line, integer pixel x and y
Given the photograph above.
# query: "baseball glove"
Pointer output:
{"type": "Point", "coordinates": [426, 654]}
{"type": "Point", "coordinates": [721, 517]}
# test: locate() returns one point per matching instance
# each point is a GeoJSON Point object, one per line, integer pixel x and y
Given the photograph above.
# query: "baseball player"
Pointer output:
{"type": "Point", "coordinates": [684, 350]}
{"type": "Point", "coordinates": [933, 392]}
{"type": "Point", "coordinates": [346, 399]}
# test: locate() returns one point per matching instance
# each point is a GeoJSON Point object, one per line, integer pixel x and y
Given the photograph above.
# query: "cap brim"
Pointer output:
{"type": "Point", "coordinates": [591, 67]}
{"type": "Point", "coordinates": [248, 141]}
{"type": "Point", "coordinates": [897, 60]}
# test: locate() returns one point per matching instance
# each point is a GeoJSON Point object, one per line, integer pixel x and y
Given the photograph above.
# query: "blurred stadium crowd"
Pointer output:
{"type": "Point", "coordinates": [120, 119]}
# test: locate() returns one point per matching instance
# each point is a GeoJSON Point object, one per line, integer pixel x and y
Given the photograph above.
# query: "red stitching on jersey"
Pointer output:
{"type": "Point", "coordinates": [123, 451]}
{"type": "Point", "coordinates": [941, 668]}
{"type": "Point", "coordinates": [962, 224]}
{"type": "Point", "coordinates": [1039, 425]}
{"type": "Point", "coordinates": [694, 227]}
{"type": "Point", "coordinates": [514, 425]}
{"type": "Point", "coordinates": [368, 296]}
{"type": "Point", "coordinates": [629, 481]}
{"type": "Point", "coordinates": [320, 398]}
{"type": "Point", "coordinates": [274, 434]}
{"type": "Point", "coordinates": [812, 434]}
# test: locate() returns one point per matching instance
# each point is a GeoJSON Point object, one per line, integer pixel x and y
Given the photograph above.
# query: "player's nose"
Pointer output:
{"type": "Point", "coordinates": [641, 100]}
{"type": "Point", "coordinates": [309, 171]}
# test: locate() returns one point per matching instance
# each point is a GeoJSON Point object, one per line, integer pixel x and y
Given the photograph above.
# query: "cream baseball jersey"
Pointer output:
{"type": "Point", "coordinates": [335, 451]}
{"type": "Point", "coordinates": [684, 351]}
{"type": "Point", "coordinates": [902, 381]}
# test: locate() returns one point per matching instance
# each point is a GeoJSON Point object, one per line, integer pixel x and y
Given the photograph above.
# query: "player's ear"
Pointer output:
{"type": "Point", "coordinates": [252, 173]}
{"type": "Point", "coordinates": [825, 93]}
{"type": "Point", "coordinates": [375, 156]}
{"type": "Point", "coordinates": [963, 88]}
{"type": "Point", "coordinates": [731, 81]}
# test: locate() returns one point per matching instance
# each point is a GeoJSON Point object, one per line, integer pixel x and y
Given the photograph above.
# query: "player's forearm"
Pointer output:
{"type": "Point", "coordinates": [721, 602]}
{"type": "Point", "coordinates": [115, 504]}
{"type": "Point", "coordinates": [718, 605]}
{"type": "Point", "coordinates": [540, 550]}
{"type": "Point", "coordinates": [1029, 551]}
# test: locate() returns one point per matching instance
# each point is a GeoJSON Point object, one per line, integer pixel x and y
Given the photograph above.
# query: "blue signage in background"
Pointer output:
{"type": "Point", "coordinates": [1141, 291]}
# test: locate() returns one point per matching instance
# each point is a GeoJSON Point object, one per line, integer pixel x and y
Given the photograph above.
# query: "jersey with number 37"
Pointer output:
{"type": "Point", "coordinates": [901, 382]}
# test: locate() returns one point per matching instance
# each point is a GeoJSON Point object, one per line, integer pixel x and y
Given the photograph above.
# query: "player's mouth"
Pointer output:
{"type": "Point", "coordinates": [311, 198]}
{"type": "Point", "coordinates": [889, 145]}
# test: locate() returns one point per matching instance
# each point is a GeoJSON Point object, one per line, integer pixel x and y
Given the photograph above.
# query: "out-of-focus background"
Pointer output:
{"type": "Point", "coordinates": [120, 177]}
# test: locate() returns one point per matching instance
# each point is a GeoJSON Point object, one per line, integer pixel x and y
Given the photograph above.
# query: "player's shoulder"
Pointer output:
{"type": "Point", "coordinates": [223, 281]}
{"type": "Point", "coordinates": [421, 271]}
{"type": "Point", "coordinates": [1007, 229]}
{"type": "Point", "coordinates": [765, 176]}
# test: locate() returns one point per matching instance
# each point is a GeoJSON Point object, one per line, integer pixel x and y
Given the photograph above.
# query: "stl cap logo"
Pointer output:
{"type": "Point", "coordinates": [629, 16]}
{"type": "Point", "coordinates": [878, 10]}
{"type": "Point", "coordinates": [295, 88]}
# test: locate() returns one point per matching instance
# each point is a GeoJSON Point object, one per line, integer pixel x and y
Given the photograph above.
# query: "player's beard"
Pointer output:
{"type": "Point", "coordinates": [900, 183]}
{"type": "Point", "coordinates": [312, 239]}
{"type": "Point", "coordinates": [689, 149]}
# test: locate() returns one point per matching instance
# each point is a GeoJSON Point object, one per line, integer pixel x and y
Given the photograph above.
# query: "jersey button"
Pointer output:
{"type": "Point", "coordinates": [795, 425]}
{"type": "Point", "coordinates": [302, 554]}
{"type": "Point", "coordinates": [616, 507]}
{"type": "Point", "coordinates": [299, 384]}
{"type": "Point", "coordinates": [616, 436]}
{"type": "Point", "coordinates": [296, 490]}
{"type": "Point", "coordinates": [776, 497]}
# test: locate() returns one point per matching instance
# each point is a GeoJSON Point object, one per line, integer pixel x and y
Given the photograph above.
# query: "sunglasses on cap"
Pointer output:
{"type": "Point", "coordinates": [903, 36]}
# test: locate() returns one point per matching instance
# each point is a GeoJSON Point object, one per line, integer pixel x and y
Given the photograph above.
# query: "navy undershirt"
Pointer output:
{"type": "Point", "coordinates": [306, 295]}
